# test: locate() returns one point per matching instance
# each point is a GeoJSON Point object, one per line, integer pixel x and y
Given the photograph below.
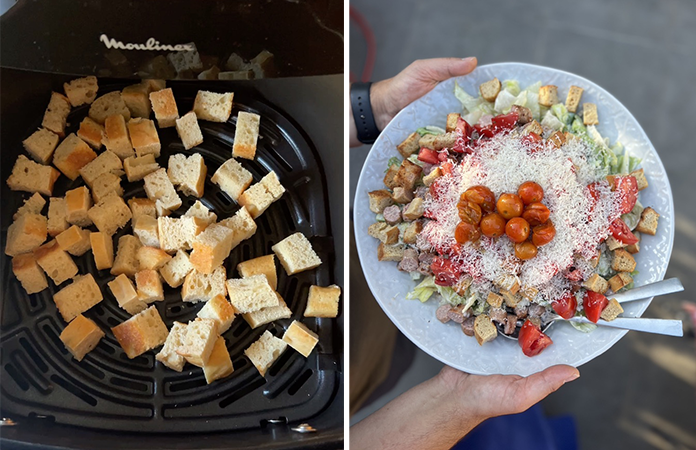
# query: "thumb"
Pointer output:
{"type": "Point", "coordinates": [440, 69]}
{"type": "Point", "coordinates": [534, 388]}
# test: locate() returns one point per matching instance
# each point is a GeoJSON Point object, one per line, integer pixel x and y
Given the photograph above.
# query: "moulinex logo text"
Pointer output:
{"type": "Point", "coordinates": [151, 44]}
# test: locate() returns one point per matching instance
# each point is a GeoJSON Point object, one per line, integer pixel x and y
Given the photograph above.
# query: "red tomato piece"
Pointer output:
{"type": "Point", "coordinates": [622, 233]}
{"type": "Point", "coordinates": [504, 121]}
{"type": "Point", "coordinates": [446, 274]}
{"type": "Point", "coordinates": [463, 128]}
{"type": "Point", "coordinates": [428, 156]}
{"type": "Point", "coordinates": [484, 131]}
{"type": "Point", "coordinates": [627, 187]}
{"type": "Point", "coordinates": [533, 141]}
{"type": "Point", "coordinates": [446, 168]}
{"type": "Point", "coordinates": [532, 340]}
{"type": "Point", "coordinates": [594, 303]}
{"type": "Point", "coordinates": [566, 305]}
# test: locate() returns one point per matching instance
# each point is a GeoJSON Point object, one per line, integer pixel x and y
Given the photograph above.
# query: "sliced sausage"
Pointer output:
{"type": "Point", "coordinates": [521, 311]}
{"type": "Point", "coordinates": [421, 191]}
{"type": "Point", "coordinates": [409, 263]}
{"type": "Point", "coordinates": [510, 324]}
{"type": "Point", "coordinates": [455, 315]}
{"type": "Point", "coordinates": [392, 214]}
{"type": "Point", "coordinates": [498, 315]}
{"type": "Point", "coordinates": [524, 114]}
{"type": "Point", "coordinates": [468, 326]}
{"type": "Point", "coordinates": [442, 313]}
{"type": "Point", "coordinates": [536, 310]}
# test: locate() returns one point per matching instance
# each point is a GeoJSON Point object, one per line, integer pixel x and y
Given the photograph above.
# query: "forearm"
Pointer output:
{"type": "Point", "coordinates": [427, 416]}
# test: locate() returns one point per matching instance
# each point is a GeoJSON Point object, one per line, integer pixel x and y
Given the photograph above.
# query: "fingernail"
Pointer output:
{"type": "Point", "coordinates": [470, 59]}
{"type": "Point", "coordinates": [574, 376]}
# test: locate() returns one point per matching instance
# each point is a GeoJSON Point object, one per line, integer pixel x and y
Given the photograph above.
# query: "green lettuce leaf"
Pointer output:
{"type": "Point", "coordinates": [468, 102]}
{"type": "Point", "coordinates": [423, 291]}
{"type": "Point", "coordinates": [511, 86]}
{"type": "Point", "coordinates": [584, 327]}
{"type": "Point", "coordinates": [504, 102]}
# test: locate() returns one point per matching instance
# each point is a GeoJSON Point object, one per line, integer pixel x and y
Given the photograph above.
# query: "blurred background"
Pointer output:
{"type": "Point", "coordinates": [641, 394]}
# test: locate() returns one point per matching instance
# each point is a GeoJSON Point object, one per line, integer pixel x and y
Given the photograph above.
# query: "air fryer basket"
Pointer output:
{"type": "Point", "coordinates": [106, 390]}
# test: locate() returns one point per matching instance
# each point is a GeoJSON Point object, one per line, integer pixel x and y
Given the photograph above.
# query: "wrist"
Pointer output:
{"type": "Point", "coordinates": [458, 398]}
{"type": "Point", "coordinates": [378, 95]}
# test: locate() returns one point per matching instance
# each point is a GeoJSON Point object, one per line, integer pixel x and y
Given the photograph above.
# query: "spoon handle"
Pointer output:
{"type": "Point", "coordinates": [663, 287]}
{"type": "Point", "coordinates": [656, 326]}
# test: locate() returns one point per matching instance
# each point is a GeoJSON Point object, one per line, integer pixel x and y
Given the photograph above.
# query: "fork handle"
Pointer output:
{"type": "Point", "coordinates": [656, 326]}
{"type": "Point", "coordinates": [663, 287]}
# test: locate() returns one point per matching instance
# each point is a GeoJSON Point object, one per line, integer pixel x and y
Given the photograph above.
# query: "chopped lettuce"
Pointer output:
{"type": "Point", "coordinates": [393, 161]}
{"type": "Point", "coordinates": [415, 276]}
{"type": "Point", "coordinates": [634, 163]}
{"type": "Point", "coordinates": [480, 307]}
{"type": "Point", "coordinates": [423, 291]}
{"type": "Point", "coordinates": [534, 88]}
{"type": "Point", "coordinates": [632, 218]}
{"type": "Point", "coordinates": [414, 159]}
{"type": "Point", "coordinates": [504, 102]}
{"type": "Point", "coordinates": [468, 102]}
{"type": "Point", "coordinates": [559, 110]}
{"type": "Point", "coordinates": [430, 129]}
{"type": "Point", "coordinates": [511, 86]}
{"type": "Point", "coordinates": [533, 105]}
{"type": "Point", "coordinates": [379, 218]}
{"type": "Point", "coordinates": [473, 117]}
{"type": "Point", "coordinates": [584, 327]}
{"type": "Point", "coordinates": [551, 121]}
{"type": "Point", "coordinates": [450, 296]}
{"type": "Point", "coordinates": [630, 285]}
{"type": "Point", "coordinates": [604, 265]}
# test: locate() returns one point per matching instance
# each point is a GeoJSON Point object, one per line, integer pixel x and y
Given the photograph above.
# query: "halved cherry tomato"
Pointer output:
{"type": "Point", "coordinates": [517, 229]}
{"type": "Point", "coordinates": [533, 141]}
{"type": "Point", "coordinates": [463, 128]}
{"type": "Point", "coordinates": [525, 250]}
{"type": "Point", "coordinates": [480, 195]}
{"type": "Point", "coordinates": [622, 233]}
{"type": "Point", "coordinates": [543, 234]}
{"type": "Point", "coordinates": [536, 214]}
{"type": "Point", "coordinates": [428, 156]}
{"type": "Point", "coordinates": [484, 130]}
{"type": "Point", "coordinates": [446, 274]}
{"type": "Point", "coordinates": [446, 168]}
{"type": "Point", "coordinates": [466, 232]}
{"type": "Point", "coordinates": [469, 212]}
{"type": "Point", "coordinates": [504, 121]}
{"type": "Point", "coordinates": [594, 303]}
{"type": "Point", "coordinates": [566, 305]}
{"type": "Point", "coordinates": [627, 187]}
{"type": "Point", "coordinates": [493, 225]}
{"type": "Point", "coordinates": [510, 205]}
{"type": "Point", "coordinates": [530, 192]}
{"type": "Point", "coordinates": [532, 340]}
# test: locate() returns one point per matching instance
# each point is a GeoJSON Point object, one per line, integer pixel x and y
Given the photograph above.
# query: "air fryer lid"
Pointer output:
{"type": "Point", "coordinates": [67, 36]}
{"type": "Point", "coordinates": [108, 391]}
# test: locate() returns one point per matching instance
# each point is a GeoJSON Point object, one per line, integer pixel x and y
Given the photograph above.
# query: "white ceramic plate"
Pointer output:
{"type": "Point", "coordinates": [446, 342]}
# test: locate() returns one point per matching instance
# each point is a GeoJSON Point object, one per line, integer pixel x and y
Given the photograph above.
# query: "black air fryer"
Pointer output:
{"type": "Point", "coordinates": [284, 61]}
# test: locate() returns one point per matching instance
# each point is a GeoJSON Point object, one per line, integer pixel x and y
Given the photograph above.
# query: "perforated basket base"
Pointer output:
{"type": "Point", "coordinates": [108, 391]}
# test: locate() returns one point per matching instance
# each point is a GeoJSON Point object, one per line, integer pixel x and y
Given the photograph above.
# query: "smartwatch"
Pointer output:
{"type": "Point", "coordinates": [362, 112]}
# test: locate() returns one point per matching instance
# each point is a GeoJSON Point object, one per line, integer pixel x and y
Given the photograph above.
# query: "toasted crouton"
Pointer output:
{"type": "Point", "coordinates": [296, 254]}
{"type": "Point", "coordinates": [77, 297]}
{"type": "Point", "coordinates": [548, 95]}
{"type": "Point", "coordinates": [146, 228]}
{"type": "Point", "coordinates": [648, 221]}
{"type": "Point", "coordinates": [452, 119]}
{"type": "Point", "coordinates": [265, 351]}
{"type": "Point", "coordinates": [490, 89]}
{"type": "Point", "coordinates": [56, 115]}
{"type": "Point", "coordinates": [390, 252]}
{"type": "Point", "coordinates": [261, 195]}
{"type": "Point", "coordinates": [56, 262]}
{"type": "Point", "coordinates": [589, 114]}
{"type": "Point", "coordinates": [613, 243]}
{"type": "Point", "coordinates": [175, 339]}
{"type": "Point", "coordinates": [301, 338]}
{"type": "Point", "coordinates": [413, 210]}
{"type": "Point", "coordinates": [91, 132]}
{"type": "Point", "coordinates": [219, 364]}
{"type": "Point", "coordinates": [124, 291]}
{"type": "Point", "coordinates": [246, 135]}
{"type": "Point", "coordinates": [573, 98]}
{"type": "Point", "coordinates": [232, 178]}
{"type": "Point", "coordinates": [33, 205]}
{"type": "Point", "coordinates": [412, 231]}
{"type": "Point", "coordinates": [203, 287]}
{"type": "Point", "coordinates": [390, 175]}
{"type": "Point", "coordinates": [77, 205]}
{"type": "Point", "coordinates": [494, 300]}
{"type": "Point", "coordinates": [511, 300]}
{"type": "Point", "coordinates": [199, 341]}
{"type": "Point", "coordinates": [110, 214]}
{"type": "Point", "coordinates": [379, 200]}
{"type": "Point", "coordinates": [201, 211]}
{"type": "Point", "coordinates": [219, 310]}
{"type": "Point", "coordinates": [106, 163]}
{"type": "Point", "coordinates": [251, 294]}
{"type": "Point", "coordinates": [175, 271]}
{"type": "Point", "coordinates": [623, 261]}
{"type": "Point", "coordinates": [612, 310]}
{"type": "Point", "coordinates": [524, 114]}
{"type": "Point", "coordinates": [29, 274]}
{"type": "Point", "coordinates": [149, 286]}
{"type": "Point", "coordinates": [159, 188]}
{"type": "Point", "coordinates": [557, 139]}
{"type": "Point", "coordinates": [82, 90]}
{"type": "Point", "coordinates": [213, 106]}
{"type": "Point", "coordinates": [144, 137]}
{"type": "Point", "coordinates": [323, 301]}
{"type": "Point", "coordinates": [141, 333]}
{"type": "Point", "coordinates": [401, 195]}
{"type": "Point", "coordinates": [74, 240]}
{"type": "Point", "coordinates": [26, 234]}
{"type": "Point", "coordinates": [269, 314]}
{"type": "Point", "coordinates": [188, 174]}
{"type": "Point", "coordinates": [102, 249]}
{"type": "Point", "coordinates": [619, 281]}
{"type": "Point", "coordinates": [634, 248]}
{"type": "Point", "coordinates": [410, 145]}
{"type": "Point", "coordinates": [72, 155]}
{"type": "Point", "coordinates": [164, 106]}
{"type": "Point", "coordinates": [139, 167]}
{"type": "Point", "coordinates": [152, 258]}
{"type": "Point", "coordinates": [596, 284]}
{"type": "Point", "coordinates": [81, 336]}
{"type": "Point", "coordinates": [407, 175]}
{"type": "Point", "coordinates": [262, 265]}
{"type": "Point", "coordinates": [126, 260]}
{"type": "Point", "coordinates": [432, 176]}
{"type": "Point", "coordinates": [41, 145]}
{"type": "Point", "coordinates": [180, 233]}
{"type": "Point", "coordinates": [108, 105]}
{"type": "Point", "coordinates": [641, 181]}
{"type": "Point", "coordinates": [57, 216]}
{"type": "Point", "coordinates": [116, 136]}
{"type": "Point", "coordinates": [189, 131]}
{"type": "Point", "coordinates": [136, 99]}
{"type": "Point", "coordinates": [484, 329]}
{"type": "Point", "coordinates": [532, 127]}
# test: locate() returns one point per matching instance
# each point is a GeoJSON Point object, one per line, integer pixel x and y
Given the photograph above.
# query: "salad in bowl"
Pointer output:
{"type": "Point", "coordinates": [515, 212]}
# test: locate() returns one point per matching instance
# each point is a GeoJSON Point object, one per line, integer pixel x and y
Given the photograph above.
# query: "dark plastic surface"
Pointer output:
{"type": "Point", "coordinates": [109, 392]}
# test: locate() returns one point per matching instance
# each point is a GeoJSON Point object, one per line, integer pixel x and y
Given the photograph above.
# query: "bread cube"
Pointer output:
{"type": "Point", "coordinates": [127, 297]}
{"type": "Point", "coordinates": [138, 167]}
{"type": "Point", "coordinates": [393, 252]}
{"type": "Point", "coordinates": [149, 286]}
{"type": "Point", "coordinates": [246, 134]}
{"type": "Point", "coordinates": [33, 205]}
{"type": "Point", "coordinates": [188, 174]}
{"type": "Point", "coordinates": [175, 339]}
{"type": "Point", "coordinates": [180, 233]}
{"type": "Point", "coordinates": [589, 114]}
{"type": "Point", "coordinates": [174, 272]}
{"type": "Point", "coordinates": [612, 310]}
{"type": "Point", "coordinates": [57, 216]}
{"type": "Point", "coordinates": [126, 261]}
{"type": "Point", "coordinates": [301, 338]}
{"type": "Point", "coordinates": [494, 300]}
{"type": "Point", "coordinates": [186, 61]}
{"type": "Point", "coordinates": [159, 188]}
{"type": "Point", "coordinates": [236, 75]}
{"type": "Point", "coordinates": [414, 210]}
{"type": "Point", "coordinates": [164, 106]}
{"type": "Point", "coordinates": [251, 293]}
{"type": "Point", "coordinates": [199, 210]}
{"type": "Point", "coordinates": [108, 105]}
{"type": "Point", "coordinates": [203, 287]}
{"type": "Point", "coordinates": [262, 265]}
{"type": "Point", "coordinates": [268, 314]}
{"type": "Point", "coordinates": [77, 297]}
{"type": "Point", "coordinates": [548, 95]}
{"type": "Point", "coordinates": [106, 185]}
{"type": "Point", "coordinates": [57, 264]}
{"type": "Point", "coordinates": [219, 310]}
{"type": "Point", "coordinates": [199, 341]}
{"type": "Point", "coordinates": [410, 145]}
{"type": "Point", "coordinates": [106, 163]}
{"type": "Point", "coordinates": [91, 132]}
{"type": "Point", "coordinates": [81, 336]}
{"type": "Point", "coordinates": [154, 85]}
{"type": "Point", "coordinates": [648, 221]}
{"type": "Point", "coordinates": [407, 175]}
{"type": "Point", "coordinates": [30, 176]}
{"type": "Point", "coordinates": [102, 249]}
{"type": "Point", "coordinates": [619, 281]}
{"type": "Point", "coordinates": [152, 258]}
{"type": "Point", "coordinates": [212, 106]}
{"type": "Point", "coordinates": [296, 254]}
{"type": "Point", "coordinates": [209, 74]}
{"type": "Point", "coordinates": [596, 284]}
{"type": "Point", "coordinates": [189, 131]}
{"type": "Point", "coordinates": [25, 234]}
{"type": "Point", "coordinates": [379, 200]}
{"type": "Point", "coordinates": [265, 351]}
{"type": "Point", "coordinates": [484, 329]}
{"type": "Point", "coordinates": [29, 273]}
{"type": "Point", "coordinates": [141, 333]}
{"type": "Point", "coordinates": [137, 100]}
{"type": "Point", "coordinates": [110, 214]}
{"type": "Point", "coordinates": [72, 155]}
{"type": "Point", "coordinates": [323, 301]}
{"type": "Point", "coordinates": [81, 91]}
{"type": "Point", "coordinates": [259, 197]}
{"type": "Point", "coordinates": [623, 261]}
{"type": "Point", "coordinates": [242, 225]}
{"type": "Point", "coordinates": [77, 206]}
{"type": "Point", "coordinates": [411, 233]}
{"type": "Point", "coordinates": [219, 364]}
{"type": "Point", "coordinates": [41, 144]}
{"type": "Point", "coordinates": [142, 206]}
{"type": "Point", "coordinates": [262, 64]}
{"type": "Point", "coordinates": [144, 137]}
{"type": "Point", "coordinates": [232, 178]}
{"type": "Point", "coordinates": [56, 115]}
{"type": "Point", "coordinates": [573, 98]}
{"type": "Point", "coordinates": [490, 89]}
{"type": "Point", "coordinates": [116, 137]}
{"type": "Point", "coordinates": [211, 247]}
{"type": "Point", "coordinates": [74, 240]}
{"type": "Point", "coordinates": [145, 228]}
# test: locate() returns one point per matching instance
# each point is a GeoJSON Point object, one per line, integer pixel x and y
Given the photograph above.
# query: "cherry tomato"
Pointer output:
{"type": "Point", "coordinates": [517, 229]}
{"type": "Point", "coordinates": [428, 156]}
{"type": "Point", "coordinates": [466, 232]}
{"type": "Point", "coordinates": [486, 131]}
{"type": "Point", "coordinates": [446, 168]}
{"type": "Point", "coordinates": [446, 274]}
{"type": "Point", "coordinates": [533, 141]}
{"type": "Point", "coordinates": [532, 340]}
{"type": "Point", "coordinates": [566, 305]}
{"type": "Point", "coordinates": [622, 233]}
{"type": "Point", "coordinates": [536, 214]}
{"type": "Point", "coordinates": [530, 192]}
{"type": "Point", "coordinates": [510, 205]}
{"type": "Point", "coordinates": [493, 225]}
{"type": "Point", "coordinates": [594, 303]}
{"type": "Point", "coordinates": [480, 195]}
{"type": "Point", "coordinates": [543, 234]}
{"type": "Point", "coordinates": [525, 250]}
{"type": "Point", "coordinates": [463, 128]}
{"type": "Point", "coordinates": [627, 187]}
{"type": "Point", "coordinates": [504, 121]}
{"type": "Point", "coordinates": [469, 212]}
